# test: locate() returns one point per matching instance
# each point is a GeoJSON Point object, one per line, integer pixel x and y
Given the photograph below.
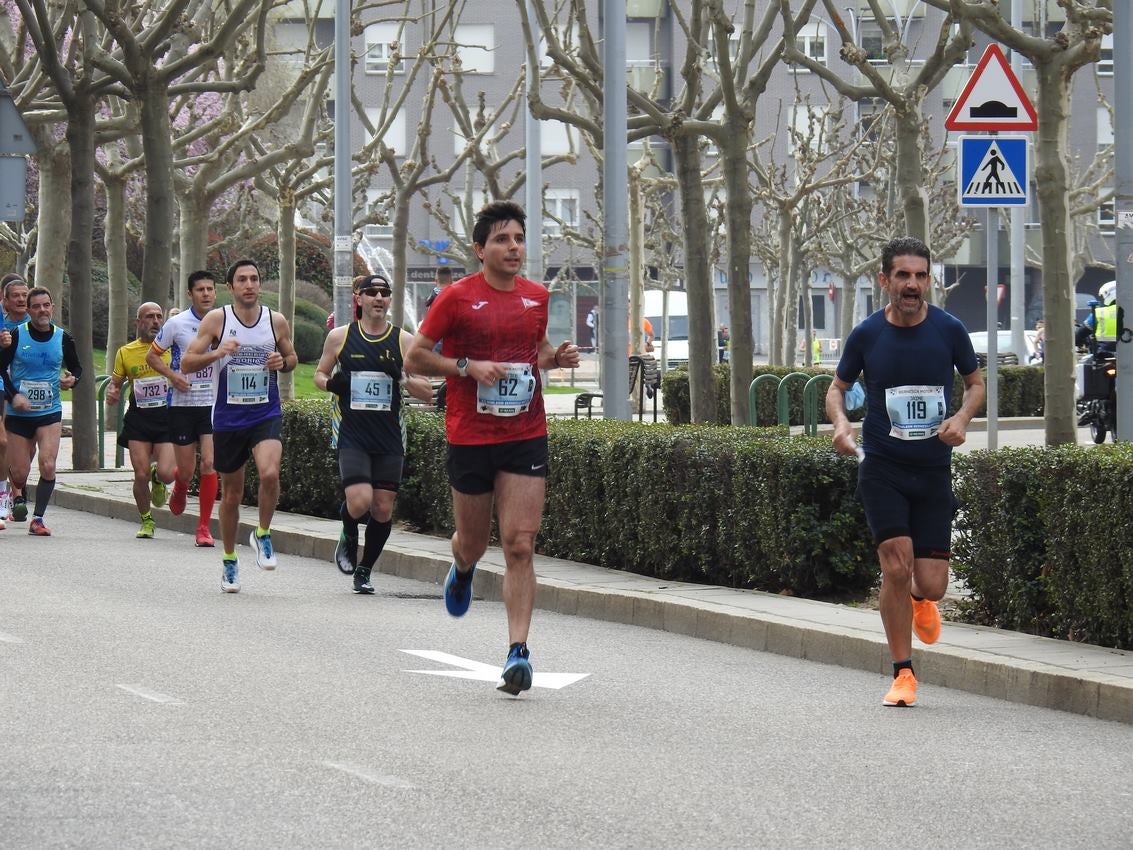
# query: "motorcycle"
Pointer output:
{"type": "Point", "coordinates": [1096, 383]}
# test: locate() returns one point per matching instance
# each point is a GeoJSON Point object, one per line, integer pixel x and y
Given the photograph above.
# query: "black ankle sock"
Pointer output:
{"type": "Point", "coordinates": [43, 491]}
{"type": "Point", "coordinates": [522, 647]}
{"type": "Point", "coordinates": [377, 533]}
{"type": "Point", "coordinates": [898, 666]}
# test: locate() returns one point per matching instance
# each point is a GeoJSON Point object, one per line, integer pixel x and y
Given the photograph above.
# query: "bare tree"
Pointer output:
{"type": "Point", "coordinates": [162, 49]}
{"type": "Point", "coordinates": [1055, 60]}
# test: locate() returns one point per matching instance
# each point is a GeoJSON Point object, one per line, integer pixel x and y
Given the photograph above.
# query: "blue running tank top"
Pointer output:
{"type": "Point", "coordinates": [35, 371]}
{"type": "Point", "coordinates": [247, 392]}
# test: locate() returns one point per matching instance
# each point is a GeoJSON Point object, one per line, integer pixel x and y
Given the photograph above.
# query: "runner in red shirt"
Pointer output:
{"type": "Point", "coordinates": [493, 327]}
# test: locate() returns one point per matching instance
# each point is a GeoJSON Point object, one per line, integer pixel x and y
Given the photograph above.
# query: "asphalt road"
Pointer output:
{"type": "Point", "coordinates": [141, 707]}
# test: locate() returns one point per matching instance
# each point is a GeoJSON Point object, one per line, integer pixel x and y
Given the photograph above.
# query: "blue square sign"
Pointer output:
{"type": "Point", "coordinates": [993, 171]}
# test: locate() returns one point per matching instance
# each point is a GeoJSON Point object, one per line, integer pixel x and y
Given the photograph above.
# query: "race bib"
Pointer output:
{"type": "Point", "coordinates": [510, 395]}
{"type": "Point", "coordinates": [371, 391]}
{"type": "Point", "coordinates": [151, 391]}
{"type": "Point", "coordinates": [247, 384]}
{"type": "Point", "coordinates": [38, 394]}
{"type": "Point", "coordinates": [201, 382]}
{"type": "Point", "coordinates": [915, 413]}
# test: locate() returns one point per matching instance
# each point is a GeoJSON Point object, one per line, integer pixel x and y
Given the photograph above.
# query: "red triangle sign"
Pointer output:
{"type": "Point", "coordinates": [993, 99]}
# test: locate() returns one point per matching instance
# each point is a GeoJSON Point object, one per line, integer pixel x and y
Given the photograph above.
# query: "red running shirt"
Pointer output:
{"type": "Point", "coordinates": [474, 320]}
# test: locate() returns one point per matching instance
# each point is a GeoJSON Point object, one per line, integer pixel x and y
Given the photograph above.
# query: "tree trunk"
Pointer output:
{"type": "Point", "coordinates": [54, 216]}
{"type": "Point", "coordinates": [80, 139]}
{"type": "Point", "coordinates": [400, 238]}
{"type": "Point", "coordinates": [738, 213]}
{"type": "Point", "coordinates": [698, 281]}
{"type": "Point", "coordinates": [1058, 287]}
{"type": "Point", "coordinates": [158, 151]}
{"type": "Point", "coordinates": [286, 235]}
{"type": "Point", "coordinates": [118, 290]}
{"type": "Point", "coordinates": [849, 300]}
{"type": "Point", "coordinates": [779, 308]}
{"type": "Point", "coordinates": [194, 209]}
{"type": "Point", "coordinates": [910, 171]}
{"type": "Point", "coordinates": [793, 292]}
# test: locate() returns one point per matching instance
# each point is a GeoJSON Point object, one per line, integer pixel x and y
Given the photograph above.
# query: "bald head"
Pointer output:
{"type": "Point", "coordinates": [148, 321]}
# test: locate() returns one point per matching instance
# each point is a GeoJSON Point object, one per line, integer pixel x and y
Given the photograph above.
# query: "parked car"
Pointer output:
{"type": "Point", "coordinates": [1006, 355]}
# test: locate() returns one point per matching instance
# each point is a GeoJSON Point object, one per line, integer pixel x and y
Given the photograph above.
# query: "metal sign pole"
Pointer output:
{"type": "Point", "coordinates": [992, 328]}
{"type": "Point", "coordinates": [1123, 209]}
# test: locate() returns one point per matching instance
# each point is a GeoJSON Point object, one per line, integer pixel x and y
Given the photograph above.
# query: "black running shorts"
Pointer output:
{"type": "Point", "coordinates": [188, 424]}
{"type": "Point", "coordinates": [380, 471]}
{"type": "Point", "coordinates": [26, 426]}
{"type": "Point", "coordinates": [908, 501]}
{"type": "Point", "coordinates": [144, 426]}
{"type": "Point", "coordinates": [472, 469]}
{"type": "Point", "coordinates": [231, 449]}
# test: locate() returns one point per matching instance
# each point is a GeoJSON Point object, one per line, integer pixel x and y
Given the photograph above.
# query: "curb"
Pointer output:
{"type": "Point", "coordinates": [1005, 665]}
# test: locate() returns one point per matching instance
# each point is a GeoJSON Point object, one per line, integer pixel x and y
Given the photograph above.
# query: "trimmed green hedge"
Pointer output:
{"type": "Point", "coordinates": [739, 507]}
{"type": "Point", "coordinates": [1020, 394]}
{"type": "Point", "coordinates": [1044, 541]}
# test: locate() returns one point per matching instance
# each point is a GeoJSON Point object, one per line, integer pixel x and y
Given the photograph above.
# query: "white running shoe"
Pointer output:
{"type": "Point", "coordinates": [265, 554]}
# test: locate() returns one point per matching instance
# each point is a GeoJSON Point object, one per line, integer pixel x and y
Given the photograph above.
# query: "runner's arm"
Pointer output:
{"type": "Point", "coordinates": [418, 387]}
{"type": "Point", "coordinates": [566, 356]}
{"type": "Point", "coordinates": [6, 355]}
{"type": "Point", "coordinates": [329, 358]}
{"type": "Point", "coordinates": [844, 442]}
{"type": "Point", "coordinates": [71, 361]}
{"type": "Point", "coordinates": [155, 359]}
{"type": "Point", "coordinates": [284, 358]}
{"type": "Point", "coordinates": [201, 352]}
{"type": "Point", "coordinates": [954, 429]}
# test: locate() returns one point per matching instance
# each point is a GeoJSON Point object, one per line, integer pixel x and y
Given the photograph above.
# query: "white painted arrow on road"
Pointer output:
{"type": "Point", "coordinates": [487, 672]}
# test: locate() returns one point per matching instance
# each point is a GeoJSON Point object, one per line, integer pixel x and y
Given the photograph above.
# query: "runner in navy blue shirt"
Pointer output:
{"type": "Point", "coordinates": [908, 352]}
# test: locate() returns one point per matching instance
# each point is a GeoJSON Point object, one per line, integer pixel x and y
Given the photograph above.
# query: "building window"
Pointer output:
{"type": "Point", "coordinates": [1107, 218]}
{"type": "Point", "coordinates": [380, 42]}
{"type": "Point", "coordinates": [1105, 58]}
{"type": "Point", "coordinates": [378, 231]}
{"type": "Point", "coordinates": [872, 42]}
{"type": "Point", "coordinates": [560, 205]}
{"type": "Point", "coordinates": [476, 47]}
{"type": "Point", "coordinates": [393, 136]}
{"type": "Point", "coordinates": [557, 138]}
{"type": "Point", "coordinates": [811, 40]}
{"type": "Point", "coordinates": [818, 310]}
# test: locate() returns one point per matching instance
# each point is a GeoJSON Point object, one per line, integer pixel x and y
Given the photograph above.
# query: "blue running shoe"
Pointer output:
{"type": "Point", "coordinates": [517, 674]}
{"type": "Point", "coordinates": [458, 591]}
{"type": "Point", "coordinates": [265, 554]}
{"type": "Point", "coordinates": [230, 576]}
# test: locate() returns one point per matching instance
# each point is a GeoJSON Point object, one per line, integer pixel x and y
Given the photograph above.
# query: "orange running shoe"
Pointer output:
{"type": "Point", "coordinates": [36, 528]}
{"type": "Point", "coordinates": [926, 620]}
{"type": "Point", "coordinates": [904, 690]}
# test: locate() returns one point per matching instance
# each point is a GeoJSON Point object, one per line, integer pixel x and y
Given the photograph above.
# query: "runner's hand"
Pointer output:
{"type": "Point", "coordinates": [338, 384]}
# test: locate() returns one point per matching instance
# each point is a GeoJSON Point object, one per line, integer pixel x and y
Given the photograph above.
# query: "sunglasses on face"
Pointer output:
{"type": "Point", "coordinates": [375, 291]}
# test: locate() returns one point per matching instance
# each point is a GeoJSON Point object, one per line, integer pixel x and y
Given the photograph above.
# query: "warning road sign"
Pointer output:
{"type": "Point", "coordinates": [993, 99]}
{"type": "Point", "coordinates": [993, 171]}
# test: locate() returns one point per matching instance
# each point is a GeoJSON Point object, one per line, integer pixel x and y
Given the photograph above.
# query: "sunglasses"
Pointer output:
{"type": "Point", "coordinates": [375, 291]}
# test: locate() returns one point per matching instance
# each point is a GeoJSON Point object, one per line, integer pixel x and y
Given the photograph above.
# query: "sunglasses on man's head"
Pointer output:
{"type": "Point", "coordinates": [375, 291]}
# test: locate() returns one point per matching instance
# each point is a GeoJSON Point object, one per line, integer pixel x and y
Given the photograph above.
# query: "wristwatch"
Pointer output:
{"type": "Point", "coordinates": [462, 366]}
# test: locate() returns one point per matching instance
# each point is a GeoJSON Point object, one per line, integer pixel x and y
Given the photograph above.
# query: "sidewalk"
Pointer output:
{"type": "Point", "coordinates": [1016, 667]}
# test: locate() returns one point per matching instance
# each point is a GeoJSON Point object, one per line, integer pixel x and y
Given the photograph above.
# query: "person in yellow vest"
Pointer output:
{"type": "Point", "coordinates": [815, 347]}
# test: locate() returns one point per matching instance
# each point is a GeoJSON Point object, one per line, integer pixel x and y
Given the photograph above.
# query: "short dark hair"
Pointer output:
{"type": "Point", "coordinates": [199, 275]}
{"type": "Point", "coordinates": [903, 246]}
{"type": "Point", "coordinates": [443, 272]}
{"type": "Point", "coordinates": [39, 290]}
{"type": "Point", "coordinates": [230, 275]}
{"type": "Point", "coordinates": [497, 212]}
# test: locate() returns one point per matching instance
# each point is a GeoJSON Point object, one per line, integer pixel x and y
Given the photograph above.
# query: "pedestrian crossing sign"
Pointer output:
{"type": "Point", "coordinates": [993, 171]}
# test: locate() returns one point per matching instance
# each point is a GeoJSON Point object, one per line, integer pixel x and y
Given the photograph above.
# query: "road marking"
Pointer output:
{"type": "Point", "coordinates": [153, 696]}
{"type": "Point", "coordinates": [373, 777]}
{"type": "Point", "coordinates": [487, 672]}
{"type": "Point", "coordinates": [7, 638]}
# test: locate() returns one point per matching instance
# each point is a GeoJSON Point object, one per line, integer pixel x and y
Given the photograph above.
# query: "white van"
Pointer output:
{"type": "Point", "coordinates": [677, 338]}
